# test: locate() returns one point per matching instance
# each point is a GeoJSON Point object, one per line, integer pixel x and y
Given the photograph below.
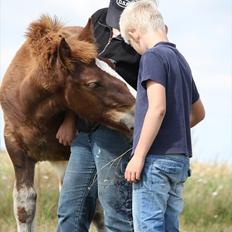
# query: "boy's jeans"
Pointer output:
{"type": "Point", "coordinates": [157, 197]}
{"type": "Point", "coordinates": [91, 153]}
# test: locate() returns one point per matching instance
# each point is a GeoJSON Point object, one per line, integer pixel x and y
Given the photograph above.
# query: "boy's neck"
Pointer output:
{"type": "Point", "coordinates": [115, 32]}
{"type": "Point", "coordinates": [153, 38]}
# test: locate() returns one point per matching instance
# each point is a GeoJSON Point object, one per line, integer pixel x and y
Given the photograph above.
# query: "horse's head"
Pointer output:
{"type": "Point", "coordinates": [92, 89]}
{"type": "Point", "coordinates": [89, 86]}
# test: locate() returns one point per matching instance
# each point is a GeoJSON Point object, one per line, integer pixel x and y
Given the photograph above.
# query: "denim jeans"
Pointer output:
{"type": "Point", "coordinates": [93, 153]}
{"type": "Point", "coordinates": [157, 197]}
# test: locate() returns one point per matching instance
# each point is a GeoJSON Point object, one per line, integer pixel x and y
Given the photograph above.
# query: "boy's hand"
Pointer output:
{"type": "Point", "coordinates": [67, 131]}
{"type": "Point", "coordinates": [134, 169]}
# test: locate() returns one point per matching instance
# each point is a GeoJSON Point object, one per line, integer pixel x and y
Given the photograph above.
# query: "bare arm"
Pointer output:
{"type": "Point", "coordinates": [197, 114]}
{"type": "Point", "coordinates": [151, 125]}
{"type": "Point", "coordinates": [67, 130]}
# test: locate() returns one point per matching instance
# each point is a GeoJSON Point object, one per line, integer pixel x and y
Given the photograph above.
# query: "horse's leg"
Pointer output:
{"type": "Point", "coordinates": [98, 219]}
{"type": "Point", "coordinates": [24, 194]}
{"type": "Point", "coordinates": [60, 167]}
{"type": "Point", "coordinates": [24, 197]}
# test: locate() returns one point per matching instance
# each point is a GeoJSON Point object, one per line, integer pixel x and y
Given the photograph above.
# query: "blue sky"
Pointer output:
{"type": "Point", "coordinates": [200, 28]}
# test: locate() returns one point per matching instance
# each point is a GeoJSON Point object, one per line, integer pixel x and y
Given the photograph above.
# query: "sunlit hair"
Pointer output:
{"type": "Point", "coordinates": [142, 15]}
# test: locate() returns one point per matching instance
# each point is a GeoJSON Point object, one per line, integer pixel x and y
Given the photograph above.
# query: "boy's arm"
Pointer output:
{"type": "Point", "coordinates": [151, 125]}
{"type": "Point", "coordinates": [67, 129]}
{"type": "Point", "coordinates": [197, 113]}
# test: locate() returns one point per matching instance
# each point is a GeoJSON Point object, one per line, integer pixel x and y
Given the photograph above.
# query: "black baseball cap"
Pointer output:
{"type": "Point", "coordinates": [114, 11]}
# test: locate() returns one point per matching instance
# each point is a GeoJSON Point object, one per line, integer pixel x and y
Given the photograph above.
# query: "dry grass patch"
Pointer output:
{"type": "Point", "coordinates": [208, 200]}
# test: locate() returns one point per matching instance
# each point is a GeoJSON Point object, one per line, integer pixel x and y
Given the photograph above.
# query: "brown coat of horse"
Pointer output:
{"type": "Point", "coordinates": [56, 69]}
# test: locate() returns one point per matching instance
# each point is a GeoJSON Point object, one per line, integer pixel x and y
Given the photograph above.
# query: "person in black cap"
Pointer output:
{"type": "Point", "coordinates": [114, 11]}
{"type": "Point", "coordinates": [95, 148]}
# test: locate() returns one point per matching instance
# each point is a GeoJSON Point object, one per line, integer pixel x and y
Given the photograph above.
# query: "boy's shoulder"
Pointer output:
{"type": "Point", "coordinates": [157, 52]}
{"type": "Point", "coordinates": [165, 52]}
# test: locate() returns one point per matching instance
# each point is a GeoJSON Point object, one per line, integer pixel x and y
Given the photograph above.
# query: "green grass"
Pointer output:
{"type": "Point", "coordinates": [208, 201]}
{"type": "Point", "coordinates": [208, 198]}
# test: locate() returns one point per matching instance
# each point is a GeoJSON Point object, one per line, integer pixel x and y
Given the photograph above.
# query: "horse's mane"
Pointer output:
{"type": "Point", "coordinates": [45, 34]}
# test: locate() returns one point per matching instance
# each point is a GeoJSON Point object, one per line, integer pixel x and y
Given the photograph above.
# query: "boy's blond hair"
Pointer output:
{"type": "Point", "coordinates": [142, 15]}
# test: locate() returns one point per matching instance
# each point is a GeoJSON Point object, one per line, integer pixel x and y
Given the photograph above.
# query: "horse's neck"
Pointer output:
{"type": "Point", "coordinates": [48, 108]}
{"type": "Point", "coordinates": [38, 103]}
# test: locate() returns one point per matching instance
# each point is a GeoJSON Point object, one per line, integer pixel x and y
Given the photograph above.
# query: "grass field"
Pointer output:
{"type": "Point", "coordinates": [208, 198]}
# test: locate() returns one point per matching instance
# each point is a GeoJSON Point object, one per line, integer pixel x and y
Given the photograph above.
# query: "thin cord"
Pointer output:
{"type": "Point", "coordinates": [109, 163]}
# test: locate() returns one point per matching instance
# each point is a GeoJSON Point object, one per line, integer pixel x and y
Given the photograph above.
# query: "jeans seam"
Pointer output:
{"type": "Point", "coordinates": [78, 212]}
{"type": "Point", "coordinates": [82, 202]}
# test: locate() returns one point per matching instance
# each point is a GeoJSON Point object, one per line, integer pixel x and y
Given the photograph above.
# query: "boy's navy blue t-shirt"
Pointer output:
{"type": "Point", "coordinates": [164, 64]}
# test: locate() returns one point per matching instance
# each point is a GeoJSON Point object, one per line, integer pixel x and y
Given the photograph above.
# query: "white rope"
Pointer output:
{"type": "Point", "coordinates": [109, 163]}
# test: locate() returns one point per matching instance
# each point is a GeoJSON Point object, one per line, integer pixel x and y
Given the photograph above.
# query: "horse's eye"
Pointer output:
{"type": "Point", "coordinates": [93, 85]}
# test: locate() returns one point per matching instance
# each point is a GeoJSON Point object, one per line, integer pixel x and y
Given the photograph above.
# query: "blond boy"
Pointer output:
{"type": "Point", "coordinates": [167, 106]}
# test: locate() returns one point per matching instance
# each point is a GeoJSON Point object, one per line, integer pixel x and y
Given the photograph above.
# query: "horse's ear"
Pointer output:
{"type": "Point", "coordinates": [87, 32]}
{"type": "Point", "coordinates": [64, 54]}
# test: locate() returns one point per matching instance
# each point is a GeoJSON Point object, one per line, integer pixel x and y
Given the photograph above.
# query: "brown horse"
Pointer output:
{"type": "Point", "coordinates": [55, 70]}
